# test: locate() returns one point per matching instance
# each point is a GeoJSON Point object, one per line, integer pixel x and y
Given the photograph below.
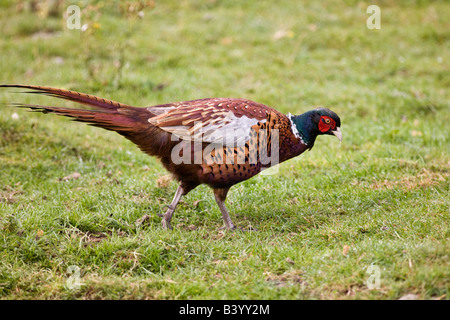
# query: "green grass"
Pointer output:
{"type": "Point", "coordinates": [381, 196]}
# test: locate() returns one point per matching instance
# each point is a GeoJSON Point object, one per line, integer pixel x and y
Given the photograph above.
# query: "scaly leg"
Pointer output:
{"type": "Point", "coordinates": [168, 215]}
{"type": "Point", "coordinates": [171, 208]}
{"type": "Point", "coordinates": [220, 196]}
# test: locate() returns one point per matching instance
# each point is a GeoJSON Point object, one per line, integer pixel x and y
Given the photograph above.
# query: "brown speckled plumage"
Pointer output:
{"type": "Point", "coordinates": [190, 125]}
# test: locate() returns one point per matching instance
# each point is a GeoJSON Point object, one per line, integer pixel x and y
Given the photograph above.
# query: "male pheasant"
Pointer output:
{"type": "Point", "coordinates": [218, 141]}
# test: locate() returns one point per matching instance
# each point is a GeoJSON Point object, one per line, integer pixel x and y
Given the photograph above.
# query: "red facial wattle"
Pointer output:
{"type": "Point", "coordinates": [326, 123]}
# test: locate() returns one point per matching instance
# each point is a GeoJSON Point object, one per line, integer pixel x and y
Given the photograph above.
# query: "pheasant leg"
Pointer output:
{"type": "Point", "coordinates": [168, 215]}
{"type": "Point", "coordinates": [170, 209]}
{"type": "Point", "coordinates": [220, 196]}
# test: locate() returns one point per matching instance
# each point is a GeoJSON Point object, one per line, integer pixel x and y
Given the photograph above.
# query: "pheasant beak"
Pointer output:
{"type": "Point", "coordinates": [338, 133]}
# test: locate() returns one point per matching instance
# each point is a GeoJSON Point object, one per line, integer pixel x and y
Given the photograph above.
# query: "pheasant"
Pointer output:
{"type": "Point", "coordinates": [216, 141]}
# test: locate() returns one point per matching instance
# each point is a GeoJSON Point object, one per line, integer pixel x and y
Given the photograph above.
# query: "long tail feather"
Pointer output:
{"type": "Point", "coordinates": [128, 121]}
{"type": "Point", "coordinates": [107, 114]}
{"type": "Point", "coordinates": [103, 119]}
{"type": "Point", "coordinates": [75, 96]}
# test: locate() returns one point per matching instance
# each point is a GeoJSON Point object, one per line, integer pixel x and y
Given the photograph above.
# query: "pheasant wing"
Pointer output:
{"type": "Point", "coordinates": [223, 120]}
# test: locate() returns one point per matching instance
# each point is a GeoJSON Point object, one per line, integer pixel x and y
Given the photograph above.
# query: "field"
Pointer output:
{"type": "Point", "coordinates": [364, 219]}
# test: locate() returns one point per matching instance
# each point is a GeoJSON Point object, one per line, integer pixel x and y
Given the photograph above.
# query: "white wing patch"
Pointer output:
{"type": "Point", "coordinates": [160, 110]}
{"type": "Point", "coordinates": [225, 129]}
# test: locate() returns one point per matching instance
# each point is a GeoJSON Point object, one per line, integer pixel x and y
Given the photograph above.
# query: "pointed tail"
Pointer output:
{"type": "Point", "coordinates": [110, 115]}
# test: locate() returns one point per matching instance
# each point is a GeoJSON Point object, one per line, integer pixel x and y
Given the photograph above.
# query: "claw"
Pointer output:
{"type": "Point", "coordinates": [142, 219]}
{"type": "Point", "coordinates": [166, 224]}
{"type": "Point", "coordinates": [234, 228]}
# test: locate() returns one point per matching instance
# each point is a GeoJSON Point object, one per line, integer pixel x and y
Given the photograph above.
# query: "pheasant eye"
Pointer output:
{"type": "Point", "coordinates": [327, 120]}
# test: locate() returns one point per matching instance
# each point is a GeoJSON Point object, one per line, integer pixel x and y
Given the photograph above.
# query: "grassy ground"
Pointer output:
{"type": "Point", "coordinates": [378, 199]}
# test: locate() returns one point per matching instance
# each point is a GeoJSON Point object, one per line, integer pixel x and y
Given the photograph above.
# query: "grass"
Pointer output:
{"type": "Point", "coordinates": [380, 198]}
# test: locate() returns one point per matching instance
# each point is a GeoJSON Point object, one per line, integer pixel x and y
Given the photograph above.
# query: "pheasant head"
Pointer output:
{"type": "Point", "coordinates": [316, 122]}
